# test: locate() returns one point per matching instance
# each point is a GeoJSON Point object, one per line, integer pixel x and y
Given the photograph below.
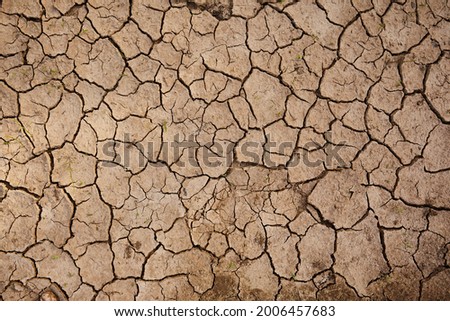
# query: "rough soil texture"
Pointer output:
{"type": "Point", "coordinates": [94, 206]}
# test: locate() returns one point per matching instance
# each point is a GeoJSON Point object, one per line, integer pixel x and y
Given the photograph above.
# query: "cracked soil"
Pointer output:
{"type": "Point", "coordinates": [344, 196]}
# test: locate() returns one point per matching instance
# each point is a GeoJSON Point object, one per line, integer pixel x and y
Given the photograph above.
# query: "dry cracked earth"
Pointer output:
{"type": "Point", "coordinates": [311, 158]}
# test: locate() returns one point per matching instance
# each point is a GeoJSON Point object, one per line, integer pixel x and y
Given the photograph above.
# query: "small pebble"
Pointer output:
{"type": "Point", "coordinates": [49, 296]}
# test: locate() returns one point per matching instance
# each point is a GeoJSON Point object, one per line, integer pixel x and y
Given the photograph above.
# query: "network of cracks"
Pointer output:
{"type": "Point", "coordinates": [224, 150]}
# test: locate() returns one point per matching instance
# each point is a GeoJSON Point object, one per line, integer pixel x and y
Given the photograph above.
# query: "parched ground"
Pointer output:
{"type": "Point", "coordinates": [223, 150]}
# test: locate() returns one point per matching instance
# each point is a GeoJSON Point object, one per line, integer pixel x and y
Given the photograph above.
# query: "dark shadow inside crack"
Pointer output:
{"type": "Point", "coordinates": [221, 9]}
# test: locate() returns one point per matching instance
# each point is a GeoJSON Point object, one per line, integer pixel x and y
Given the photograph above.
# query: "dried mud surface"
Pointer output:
{"type": "Point", "coordinates": [88, 211]}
